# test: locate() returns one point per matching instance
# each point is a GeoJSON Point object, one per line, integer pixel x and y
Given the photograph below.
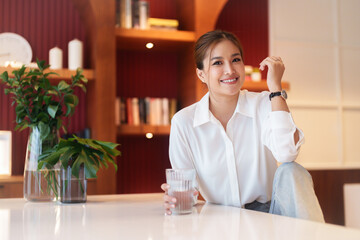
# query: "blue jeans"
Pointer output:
{"type": "Point", "coordinates": [293, 194]}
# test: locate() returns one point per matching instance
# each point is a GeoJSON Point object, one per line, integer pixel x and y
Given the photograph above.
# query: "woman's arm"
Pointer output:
{"type": "Point", "coordinates": [276, 70]}
{"type": "Point", "coordinates": [180, 157]}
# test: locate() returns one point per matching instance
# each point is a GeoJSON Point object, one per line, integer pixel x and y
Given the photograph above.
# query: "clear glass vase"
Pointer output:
{"type": "Point", "coordinates": [43, 184]}
{"type": "Point", "coordinates": [72, 189]}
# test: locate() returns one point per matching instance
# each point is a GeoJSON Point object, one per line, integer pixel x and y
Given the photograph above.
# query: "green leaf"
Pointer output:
{"type": "Point", "coordinates": [107, 144]}
{"type": "Point", "coordinates": [77, 163]}
{"type": "Point", "coordinates": [19, 109]}
{"type": "Point", "coordinates": [33, 73]}
{"type": "Point", "coordinates": [21, 126]}
{"type": "Point", "coordinates": [69, 152]}
{"type": "Point", "coordinates": [52, 109]}
{"type": "Point", "coordinates": [47, 99]}
{"type": "Point", "coordinates": [71, 98]}
{"type": "Point", "coordinates": [63, 85]}
{"type": "Point", "coordinates": [51, 73]}
{"type": "Point", "coordinates": [44, 130]}
{"type": "Point", "coordinates": [70, 108]}
{"type": "Point", "coordinates": [51, 159]}
{"type": "Point", "coordinates": [58, 123]}
{"type": "Point", "coordinates": [82, 86]}
{"type": "Point", "coordinates": [43, 117]}
{"type": "Point", "coordinates": [40, 64]}
{"type": "Point", "coordinates": [5, 76]}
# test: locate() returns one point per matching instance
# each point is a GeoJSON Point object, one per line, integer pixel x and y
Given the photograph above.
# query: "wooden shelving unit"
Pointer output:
{"type": "Point", "coordinates": [195, 17]}
{"type": "Point", "coordinates": [62, 74]}
{"type": "Point", "coordinates": [135, 39]}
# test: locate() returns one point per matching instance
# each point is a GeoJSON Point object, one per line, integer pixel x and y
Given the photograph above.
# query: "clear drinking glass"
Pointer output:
{"type": "Point", "coordinates": [72, 189]}
{"type": "Point", "coordinates": [182, 187]}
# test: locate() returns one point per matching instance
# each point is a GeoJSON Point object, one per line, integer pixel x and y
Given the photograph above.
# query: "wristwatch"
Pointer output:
{"type": "Point", "coordinates": [283, 94]}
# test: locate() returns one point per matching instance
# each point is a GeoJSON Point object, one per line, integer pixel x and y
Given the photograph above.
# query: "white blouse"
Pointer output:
{"type": "Point", "coordinates": [236, 166]}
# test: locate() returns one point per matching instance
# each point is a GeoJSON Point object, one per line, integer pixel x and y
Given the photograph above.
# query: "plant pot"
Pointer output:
{"type": "Point", "coordinates": [72, 189]}
{"type": "Point", "coordinates": [43, 184]}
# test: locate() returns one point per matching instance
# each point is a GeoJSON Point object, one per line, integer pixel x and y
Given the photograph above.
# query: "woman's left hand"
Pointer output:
{"type": "Point", "coordinates": [276, 70]}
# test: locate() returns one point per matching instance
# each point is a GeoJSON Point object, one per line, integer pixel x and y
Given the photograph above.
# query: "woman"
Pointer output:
{"type": "Point", "coordinates": [233, 138]}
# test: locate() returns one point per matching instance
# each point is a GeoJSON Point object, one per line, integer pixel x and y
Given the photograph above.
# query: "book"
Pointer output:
{"type": "Point", "coordinates": [117, 13]}
{"type": "Point", "coordinates": [142, 110]}
{"type": "Point", "coordinates": [129, 114]}
{"type": "Point", "coordinates": [158, 111]}
{"type": "Point", "coordinates": [135, 14]}
{"type": "Point", "coordinates": [135, 111]}
{"type": "Point", "coordinates": [172, 108]}
{"type": "Point", "coordinates": [123, 116]}
{"type": "Point", "coordinates": [125, 14]}
{"type": "Point", "coordinates": [160, 23]}
{"type": "Point", "coordinates": [147, 110]}
{"type": "Point", "coordinates": [143, 14]}
{"type": "Point", "coordinates": [165, 111]}
{"type": "Point", "coordinates": [117, 111]}
{"type": "Point", "coordinates": [152, 111]}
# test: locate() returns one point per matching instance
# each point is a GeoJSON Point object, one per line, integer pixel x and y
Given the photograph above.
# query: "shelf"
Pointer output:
{"type": "Point", "coordinates": [63, 74]}
{"type": "Point", "coordinates": [261, 86]}
{"type": "Point", "coordinates": [135, 39]}
{"type": "Point", "coordinates": [143, 129]}
{"type": "Point", "coordinates": [11, 179]}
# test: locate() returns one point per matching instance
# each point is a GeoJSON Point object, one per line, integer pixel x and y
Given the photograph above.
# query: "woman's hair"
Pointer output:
{"type": "Point", "coordinates": [209, 39]}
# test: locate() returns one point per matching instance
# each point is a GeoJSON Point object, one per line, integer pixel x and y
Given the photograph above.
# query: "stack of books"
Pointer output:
{"type": "Point", "coordinates": [136, 111]}
{"type": "Point", "coordinates": [163, 24]}
{"type": "Point", "coordinates": [135, 14]}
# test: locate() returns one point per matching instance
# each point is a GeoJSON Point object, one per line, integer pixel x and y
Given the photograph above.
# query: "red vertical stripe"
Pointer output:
{"type": "Point", "coordinates": [249, 21]}
{"type": "Point", "coordinates": [44, 24]}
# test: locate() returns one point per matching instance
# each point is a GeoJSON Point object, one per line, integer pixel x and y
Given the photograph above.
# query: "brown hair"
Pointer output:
{"type": "Point", "coordinates": [209, 39]}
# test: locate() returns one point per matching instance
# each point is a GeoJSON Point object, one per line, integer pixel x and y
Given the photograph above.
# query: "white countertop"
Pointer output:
{"type": "Point", "coordinates": [141, 216]}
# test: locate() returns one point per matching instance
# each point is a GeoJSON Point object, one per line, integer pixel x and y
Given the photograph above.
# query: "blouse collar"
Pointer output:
{"type": "Point", "coordinates": [202, 111]}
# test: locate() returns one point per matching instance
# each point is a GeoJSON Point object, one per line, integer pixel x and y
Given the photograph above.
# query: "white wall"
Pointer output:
{"type": "Point", "coordinates": [319, 41]}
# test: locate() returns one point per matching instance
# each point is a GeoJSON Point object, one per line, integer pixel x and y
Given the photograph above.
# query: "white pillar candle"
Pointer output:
{"type": "Point", "coordinates": [75, 54]}
{"type": "Point", "coordinates": [56, 58]}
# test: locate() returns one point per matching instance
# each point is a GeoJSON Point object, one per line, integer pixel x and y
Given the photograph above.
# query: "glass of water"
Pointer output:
{"type": "Point", "coordinates": [182, 187]}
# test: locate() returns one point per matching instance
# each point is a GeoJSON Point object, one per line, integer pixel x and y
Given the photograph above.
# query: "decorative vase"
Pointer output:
{"type": "Point", "coordinates": [72, 189]}
{"type": "Point", "coordinates": [42, 184]}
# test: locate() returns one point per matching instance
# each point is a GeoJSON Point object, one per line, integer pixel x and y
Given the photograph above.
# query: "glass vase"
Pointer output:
{"type": "Point", "coordinates": [40, 184]}
{"type": "Point", "coordinates": [72, 189]}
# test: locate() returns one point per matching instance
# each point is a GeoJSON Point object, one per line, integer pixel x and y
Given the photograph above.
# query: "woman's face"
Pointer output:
{"type": "Point", "coordinates": [224, 71]}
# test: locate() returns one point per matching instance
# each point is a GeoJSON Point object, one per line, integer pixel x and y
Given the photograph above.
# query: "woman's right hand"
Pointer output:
{"type": "Point", "coordinates": [169, 201]}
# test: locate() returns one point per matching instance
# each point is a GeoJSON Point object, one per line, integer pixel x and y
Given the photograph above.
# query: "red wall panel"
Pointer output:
{"type": "Point", "coordinates": [44, 24]}
{"type": "Point", "coordinates": [248, 20]}
{"type": "Point", "coordinates": [147, 74]}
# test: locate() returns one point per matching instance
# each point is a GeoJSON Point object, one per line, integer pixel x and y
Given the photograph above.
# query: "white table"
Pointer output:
{"type": "Point", "coordinates": [141, 216]}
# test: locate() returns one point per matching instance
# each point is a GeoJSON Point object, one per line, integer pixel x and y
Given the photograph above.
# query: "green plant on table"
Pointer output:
{"type": "Point", "coordinates": [42, 106]}
{"type": "Point", "coordinates": [76, 152]}
{"type": "Point", "coordinates": [38, 103]}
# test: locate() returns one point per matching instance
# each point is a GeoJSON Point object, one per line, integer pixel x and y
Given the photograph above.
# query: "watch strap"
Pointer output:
{"type": "Point", "coordinates": [274, 94]}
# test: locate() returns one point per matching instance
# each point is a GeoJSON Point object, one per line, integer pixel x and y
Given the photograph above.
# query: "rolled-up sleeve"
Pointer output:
{"type": "Point", "coordinates": [278, 135]}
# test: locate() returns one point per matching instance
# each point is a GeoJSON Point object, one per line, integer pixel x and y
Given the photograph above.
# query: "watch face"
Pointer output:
{"type": "Point", "coordinates": [284, 94]}
{"type": "Point", "coordinates": [14, 47]}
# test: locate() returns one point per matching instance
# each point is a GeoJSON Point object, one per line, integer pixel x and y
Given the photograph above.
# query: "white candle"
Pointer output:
{"type": "Point", "coordinates": [56, 58]}
{"type": "Point", "coordinates": [75, 54]}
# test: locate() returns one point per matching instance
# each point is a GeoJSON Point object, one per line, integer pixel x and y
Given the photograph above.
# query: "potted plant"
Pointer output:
{"type": "Point", "coordinates": [41, 107]}
{"type": "Point", "coordinates": [80, 159]}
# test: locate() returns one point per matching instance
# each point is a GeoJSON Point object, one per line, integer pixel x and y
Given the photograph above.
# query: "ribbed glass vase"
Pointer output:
{"type": "Point", "coordinates": [72, 188]}
{"type": "Point", "coordinates": [43, 184]}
